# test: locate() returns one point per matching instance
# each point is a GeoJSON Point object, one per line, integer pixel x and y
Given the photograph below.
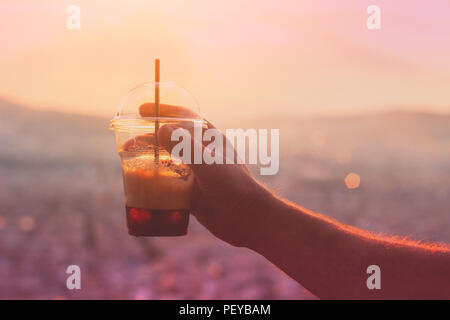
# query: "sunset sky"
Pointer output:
{"type": "Point", "coordinates": [236, 57]}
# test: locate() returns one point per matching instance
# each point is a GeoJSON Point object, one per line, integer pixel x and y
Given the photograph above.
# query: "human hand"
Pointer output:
{"type": "Point", "coordinates": [228, 201]}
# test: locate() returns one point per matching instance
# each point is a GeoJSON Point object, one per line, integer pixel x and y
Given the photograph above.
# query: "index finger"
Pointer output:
{"type": "Point", "coordinates": [166, 110]}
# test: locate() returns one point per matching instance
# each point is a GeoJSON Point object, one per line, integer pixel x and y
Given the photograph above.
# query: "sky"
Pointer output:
{"type": "Point", "coordinates": [288, 58]}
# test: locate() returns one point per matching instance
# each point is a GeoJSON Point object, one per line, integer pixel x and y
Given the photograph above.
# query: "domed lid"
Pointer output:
{"type": "Point", "coordinates": [151, 101]}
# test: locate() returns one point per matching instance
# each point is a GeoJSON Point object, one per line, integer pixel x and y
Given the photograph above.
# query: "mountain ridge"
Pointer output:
{"type": "Point", "coordinates": [10, 105]}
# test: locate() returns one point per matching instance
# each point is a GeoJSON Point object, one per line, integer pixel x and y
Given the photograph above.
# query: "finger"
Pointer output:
{"type": "Point", "coordinates": [166, 110]}
{"type": "Point", "coordinates": [139, 143]}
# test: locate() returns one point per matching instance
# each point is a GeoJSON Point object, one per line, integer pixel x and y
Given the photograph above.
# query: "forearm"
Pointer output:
{"type": "Point", "coordinates": [330, 259]}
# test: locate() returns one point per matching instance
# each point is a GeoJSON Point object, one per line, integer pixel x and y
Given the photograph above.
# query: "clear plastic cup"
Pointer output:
{"type": "Point", "coordinates": [158, 191]}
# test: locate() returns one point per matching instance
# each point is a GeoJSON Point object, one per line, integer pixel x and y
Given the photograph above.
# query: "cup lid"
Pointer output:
{"type": "Point", "coordinates": [138, 108]}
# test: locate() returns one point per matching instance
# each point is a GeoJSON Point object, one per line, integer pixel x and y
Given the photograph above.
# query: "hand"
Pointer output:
{"type": "Point", "coordinates": [227, 199]}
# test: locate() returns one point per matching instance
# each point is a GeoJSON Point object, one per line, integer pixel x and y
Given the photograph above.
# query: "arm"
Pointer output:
{"type": "Point", "coordinates": [328, 258]}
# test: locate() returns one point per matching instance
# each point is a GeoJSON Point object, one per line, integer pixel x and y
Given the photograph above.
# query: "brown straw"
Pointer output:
{"type": "Point", "coordinates": [156, 110]}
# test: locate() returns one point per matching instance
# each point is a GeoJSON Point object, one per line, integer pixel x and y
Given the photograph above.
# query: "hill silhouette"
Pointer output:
{"type": "Point", "coordinates": [27, 133]}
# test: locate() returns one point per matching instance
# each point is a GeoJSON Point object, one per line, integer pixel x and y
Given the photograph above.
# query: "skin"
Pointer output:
{"type": "Point", "coordinates": [326, 257]}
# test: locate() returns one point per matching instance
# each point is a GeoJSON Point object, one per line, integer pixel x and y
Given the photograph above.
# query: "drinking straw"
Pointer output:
{"type": "Point", "coordinates": [156, 110]}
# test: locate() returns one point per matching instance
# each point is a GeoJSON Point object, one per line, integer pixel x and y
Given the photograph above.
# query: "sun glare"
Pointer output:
{"type": "Point", "coordinates": [352, 180]}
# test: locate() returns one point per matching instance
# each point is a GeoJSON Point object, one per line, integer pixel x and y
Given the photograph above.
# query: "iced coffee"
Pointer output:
{"type": "Point", "coordinates": [158, 194]}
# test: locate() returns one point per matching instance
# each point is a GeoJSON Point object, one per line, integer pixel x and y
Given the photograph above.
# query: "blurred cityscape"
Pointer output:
{"type": "Point", "coordinates": [61, 203]}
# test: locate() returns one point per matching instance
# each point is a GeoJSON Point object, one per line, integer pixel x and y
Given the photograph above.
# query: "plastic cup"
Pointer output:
{"type": "Point", "coordinates": [158, 191]}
